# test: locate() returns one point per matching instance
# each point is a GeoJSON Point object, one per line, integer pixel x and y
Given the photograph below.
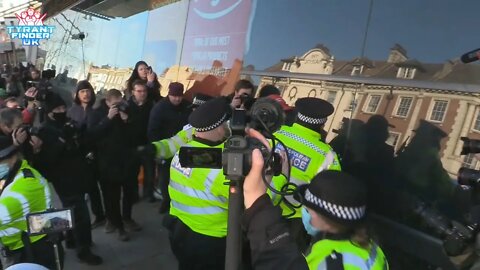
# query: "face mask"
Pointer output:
{"type": "Point", "coordinates": [4, 169]}
{"type": "Point", "coordinates": [306, 219]}
{"type": "Point", "coordinates": [60, 117]}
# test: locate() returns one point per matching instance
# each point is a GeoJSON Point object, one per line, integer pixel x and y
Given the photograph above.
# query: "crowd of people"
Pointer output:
{"type": "Point", "coordinates": [98, 147]}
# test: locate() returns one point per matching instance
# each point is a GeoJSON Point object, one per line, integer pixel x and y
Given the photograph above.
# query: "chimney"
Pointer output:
{"type": "Point", "coordinates": [397, 54]}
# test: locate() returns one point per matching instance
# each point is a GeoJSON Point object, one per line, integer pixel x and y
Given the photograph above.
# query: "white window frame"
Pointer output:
{"type": "Point", "coordinates": [406, 72]}
{"type": "Point", "coordinates": [473, 162]}
{"type": "Point", "coordinates": [367, 103]}
{"type": "Point", "coordinates": [432, 105]}
{"type": "Point", "coordinates": [357, 70]}
{"type": "Point", "coordinates": [397, 106]}
{"type": "Point", "coordinates": [477, 118]}
{"type": "Point", "coordinates": [399, 135]}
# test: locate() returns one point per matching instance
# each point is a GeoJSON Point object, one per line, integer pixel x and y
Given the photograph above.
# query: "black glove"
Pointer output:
{"type": "Point", "coordinates": [147, 151]}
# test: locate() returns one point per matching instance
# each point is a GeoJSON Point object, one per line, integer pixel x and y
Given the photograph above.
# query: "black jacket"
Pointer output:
{"type": "Point", "coordinates": [112, 138]}
{"type": "Point", "coordinates": [138, 117]}
{"type": "Point", "coordinates": [271, 243]}
{"type": "Point", "coordinates": [166, 119]}
{"type": "Point", "coordinates": [62, 159]}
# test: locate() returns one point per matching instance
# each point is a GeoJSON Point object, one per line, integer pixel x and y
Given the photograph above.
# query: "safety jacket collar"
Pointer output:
{"type": "Point", "coordinates": [207, 142]}
{"type": "Point", "coordinates": [331, 236]}
{"type": "Point", "coordinates": [307, 131]}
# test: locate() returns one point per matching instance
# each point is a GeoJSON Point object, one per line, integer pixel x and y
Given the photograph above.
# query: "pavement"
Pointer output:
{"type": "Point", "coordinates": [147, 249]}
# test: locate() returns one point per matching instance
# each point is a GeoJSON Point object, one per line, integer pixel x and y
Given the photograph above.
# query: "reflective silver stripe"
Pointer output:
{"type": "Point", "coordinates": [372, 257]}
{"type": "Point", "coordinates": [171, 146]}
{"type": "Point", "coordinates": [297, 182]}
{"type": "Point", "coordinates": [210, 210]}
{"type": "Point", "coordinates": [5, 217]}
{"type": "Point", "coordinates": [322, 265]}
{"type": "Point", "coordinates": [178, 141]}
{"type": "Point", "coordinates": [212, 175]}
{"type": "Point", "coordinates": [9, 232]}
{"type": "Point", "coordinates": [329, 160]}
{"type": "Point", "coordinates": [196, 193]}
{"type": "Point", "coordinates": [22, 199]}
{"type": "Point", "coordinates": [352, 259]}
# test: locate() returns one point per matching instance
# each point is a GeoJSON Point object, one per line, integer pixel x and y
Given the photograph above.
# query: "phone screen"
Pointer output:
{"type": "Point", "coordinates": [50, 221]}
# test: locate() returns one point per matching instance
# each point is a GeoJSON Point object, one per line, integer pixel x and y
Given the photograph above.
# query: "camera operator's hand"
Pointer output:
{"type": "Point", "coordinates": [253, 186]}
{"type": "Point", "coordinates": [236, 102]}
{"type": "Point", "coordinates": [112, 112]}
{"type": "Point", "coordinates": [36, 144]}
{"type": "Point", "coordinates": [19, 136]}
{"type": "Point", "coordinates": [151, 76]}
{"type": "Point", "coordinates": [123, 115]}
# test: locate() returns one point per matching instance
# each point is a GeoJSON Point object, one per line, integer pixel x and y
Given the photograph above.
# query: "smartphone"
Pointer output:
{"type": "Point", "coordinates": [50, 221]}
{"type": "Point", "coordinates": [200, 157]}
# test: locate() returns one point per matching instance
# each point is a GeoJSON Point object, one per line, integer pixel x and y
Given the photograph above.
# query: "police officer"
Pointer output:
{"type": "Point", "coordinates": [23, 191]}
{"type": "Point", "coordinates": [199, 197]}
{"type": "Point", "coordinates": [333, 212]}
{"type": "Point", "coordinates": [308, 154]}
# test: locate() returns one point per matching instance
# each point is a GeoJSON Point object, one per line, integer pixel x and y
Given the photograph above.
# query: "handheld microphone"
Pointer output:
{"type": "Point", "coordinates": [471, 56]}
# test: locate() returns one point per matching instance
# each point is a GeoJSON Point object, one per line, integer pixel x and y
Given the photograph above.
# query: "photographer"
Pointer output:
{"type": "Point", "coordinates": [63, 162]}
{"type": "Point", "coordinates": [243, 95]}
{"type": "Point", "coordinates": [144, 73]}
{"type": "Point", "coordinates": [26, 137]}
{"type": "Point", "coordinates": [333, 213]}
{"type": "Point", "coordinates": [111, 130]}
{"type": "Point", "coordinates": [23, 191]}
{"type": "Point", "coordinates": [199, 197]}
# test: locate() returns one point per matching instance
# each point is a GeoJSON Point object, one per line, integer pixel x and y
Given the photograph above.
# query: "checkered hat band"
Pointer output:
{"type": "Point", "coordinates": [197, 101]}
{"type": "Point", "coordinates": [213, 126]}
{"type": "Point", "coordinates": [341, 212]}
{"type": "Point", "coordinates": [310, 120]}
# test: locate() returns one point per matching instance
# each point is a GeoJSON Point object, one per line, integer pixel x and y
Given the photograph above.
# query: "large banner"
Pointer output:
{"type": "Point", "coordinates": [216, 33]}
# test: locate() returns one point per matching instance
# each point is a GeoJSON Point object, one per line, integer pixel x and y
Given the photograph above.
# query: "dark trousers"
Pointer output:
{"type": "Point", "coordinates": [82, 232]}
{"type": "Point", "coordinates": [112, 191]}
{"type": "Point", "coordinates": [43, 253]}
{"type": "Point", "coordinates": [297, 230]}
{"type": "Point", "coordinates": [94, 192]}
{"type": "Point", "coordinates": [164, 180]}
{"type": "Point", "coordinates": [148, 177]}
{"type": "Point", "coordinates": [196, 251]}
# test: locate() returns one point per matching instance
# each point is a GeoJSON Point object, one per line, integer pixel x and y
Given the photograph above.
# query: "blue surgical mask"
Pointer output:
{"type": "Point", "coordinates": [4, 169]}
{"type": "Point", "coordinates": [306, 219]}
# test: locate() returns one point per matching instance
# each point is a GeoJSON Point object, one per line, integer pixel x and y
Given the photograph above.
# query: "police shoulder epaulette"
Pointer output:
{"type": "Point", "coordinates": [27, 173]}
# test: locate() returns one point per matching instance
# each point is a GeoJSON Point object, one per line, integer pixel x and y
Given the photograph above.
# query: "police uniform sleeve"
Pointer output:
{"type": "Point", "coordinates": [270, 241]}
{"type": "Point", "coordinates": [167, 148]}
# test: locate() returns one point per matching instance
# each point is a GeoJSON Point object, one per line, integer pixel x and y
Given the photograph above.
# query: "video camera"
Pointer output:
{"type": "Point", "coordinates": [265, 116]}
{"type": "Point", "coordinates": [467, 176]}
{"type": "Point", "coordinates": [456, 236]}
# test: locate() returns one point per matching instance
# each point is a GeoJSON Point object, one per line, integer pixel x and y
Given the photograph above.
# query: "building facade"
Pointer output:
{"type": "Point", "coordinates": [444, 104]}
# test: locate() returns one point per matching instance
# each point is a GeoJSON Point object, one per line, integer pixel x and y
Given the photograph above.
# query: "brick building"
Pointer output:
{"type": "Point", "coordinates": [401, 89]}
